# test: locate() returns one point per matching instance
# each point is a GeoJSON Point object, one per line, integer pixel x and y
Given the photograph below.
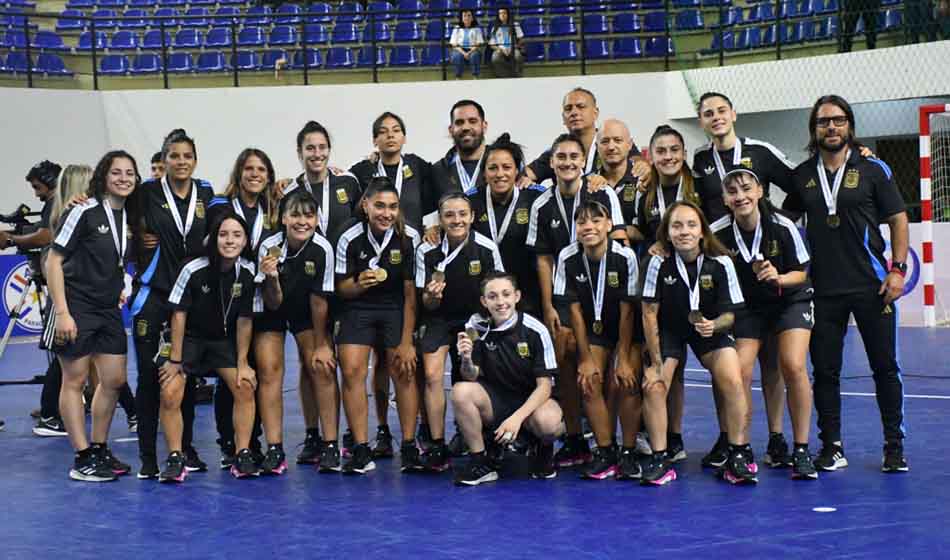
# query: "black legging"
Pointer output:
{"type": "Point", "coordinates": [855, 10]}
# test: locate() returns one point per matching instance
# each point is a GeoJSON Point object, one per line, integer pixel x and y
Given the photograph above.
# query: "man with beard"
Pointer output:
{"type": "Point", "coordinates": [845, 197]}
{"type": "Point", "coordinates": [461, 168]}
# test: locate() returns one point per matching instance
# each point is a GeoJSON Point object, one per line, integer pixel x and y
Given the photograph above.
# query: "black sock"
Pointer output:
{"type": "Point", "coordinates": [742, 447]}
{"type": "Point", "coordinates": [382, 428]}
{"type": "Point", "coordinates": [674, 437]}
{"type": "Point", "coordinates": [438, 442]}
{"type": "Point", "coordinates": [626, 449]}
{"type": "Point", "coordinates": [408, 443]}
{"type": "Point", "coordinates": [775, 434]}
{"type": "Point", "coordinates": [96, 445]}
{"type": "Point", "coordinates": [277, 446]}
{"type": "Point", "coordinates": [83, 454]}
{"type": "Point", "coordinates": [801, 446]}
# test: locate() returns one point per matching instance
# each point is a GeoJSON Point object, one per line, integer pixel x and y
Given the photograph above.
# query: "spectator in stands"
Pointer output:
{"type": "Point", "coordinates": [466, 44]}
{"type": "Point", "coordinates": [158, 166]}
{"type": "Point", "coordinates": [855, 10]}
{"type": "Point", "coordinates": [506, 41]}
{"type": "Point", "coordinates": [943, 18]}
{"type": "Point", "coordinates": [919, 19]}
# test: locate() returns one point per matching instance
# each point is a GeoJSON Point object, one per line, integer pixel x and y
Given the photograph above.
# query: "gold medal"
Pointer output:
{"type": "Point", "coordinates": [471, 333]}
{"type": "Point", "coordinates": [274, 252]}
{"type": "Point", "coordinates": [833, 221]}
{"type": "Point", "coordinates": [438, 276]}
{"type": "Point", "coordinates": [598, 327]}
{"type": "Point", "coordinates": [381, 275]}
{"type": "Point", "coordinates": [695, 317]}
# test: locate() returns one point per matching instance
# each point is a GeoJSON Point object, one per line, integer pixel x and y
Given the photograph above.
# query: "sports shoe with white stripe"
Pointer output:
{"type": "Point", "coordinates": [89, 467]}
{"type": "Point", "coordinates": [831, 458]}
{"type": "Point", "coordinates": [480, 469]}
{"type": "Point", "coordinates": [894, 461]}
{"type": "Point", "coordinates": [50, 427]}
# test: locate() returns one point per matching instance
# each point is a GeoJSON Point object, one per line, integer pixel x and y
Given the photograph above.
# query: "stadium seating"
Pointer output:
{"type": "Point", "coordinates": [403, 55]}
{"type": "Point", "coordinates": [364, 57]}
{"type": "Point", "coordinates": [124, 41]}
{"type": "Point", "coordinates": [628, 47]}
{"type": "Point", "coordinates": [180, 63]}
{"type": "Point", "coordinates": [218, 37]}
{"type": "Point", "coordinates": [211, 62]}
{"type": "Point", "coordinates": [246, 61]}
{"type": "Point", "coordinates": [313, 60]}
{"type": "Point", "coordinates": [270, 58]}
{"type": "Point", "coordinates": [51, 65]}
{"type": "Point", "coordinates": [339, 57]}
{"type": "Point", "coordinates": [114, 64]}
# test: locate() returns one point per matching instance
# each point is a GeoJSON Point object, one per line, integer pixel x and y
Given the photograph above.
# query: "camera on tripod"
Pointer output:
{"type": "Point", "coordinates": [21, 226]}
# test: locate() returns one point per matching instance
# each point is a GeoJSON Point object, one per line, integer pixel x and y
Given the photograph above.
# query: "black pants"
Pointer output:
{"type": "Point", "coordinates": [853, 11]}
{"type": "Point", "coordinates": [877, 324]}
{"type": "Point", "coordinates": [147, 327]}
{"type": "Point", "coordinates": [53, 382]}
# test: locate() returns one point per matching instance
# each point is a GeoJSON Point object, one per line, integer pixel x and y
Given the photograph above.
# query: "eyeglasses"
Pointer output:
{"type": "Point", "coordinates": [825, 122]}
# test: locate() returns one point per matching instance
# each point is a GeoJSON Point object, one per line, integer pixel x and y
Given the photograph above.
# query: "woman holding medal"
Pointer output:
{"type": "Point", "coordinates": [173, 211]}
{"type": "Point", "coordinates": [211, 330]}
{"type": "Point", "coordinates": [86, 279]}
{"type": "Point", "coordinates": [551, 228]}
{"type": "Point", "coordinates": [597, 277]}
{"type": "Point", "coordinates": [689, 298]}
{"type": "Point", "coordinates": [374, 270]}
{"type": "Point", "coordinates": [771, 259]}
{"type": "Point", "coordinates": [448, 275]}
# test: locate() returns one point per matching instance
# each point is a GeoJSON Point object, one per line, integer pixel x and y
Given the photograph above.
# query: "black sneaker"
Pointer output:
{"type": "Point", "coordinates": [479, 469]}
{"type": "Point", "coordinates": [603, 465]}
{"type": "Point", "coordinates": [244, 465]}
{"type": "Point", "coordinates": [457, 446]}
{"type": "Point", "coordinates": [628, 465]}
{"type": "Point", "coordinates": [275, 461]}
{"type": "Point", "coordinates": [193, 462]}
{"type": "Point", "coordinates": [894, 461]}
{"type": "Point", "coordinates": [348, 443]}
{"type": "Point", "coordinates": [384, 443]}
{"type": "Point", "coordinates": [228, 454]}
{"type": "Point", "coordinates": [50, 427]}
{"type": "Point", "coordinates": [89, 467]}
{"type": "Point", "coordinates": [105, 455]}
{"type": "Point", "coordinates": [575, 451]}
{"type": "Point", "coordinates": [174, 470]}
{"type": "Point", "coordinates": [831, 458]}
{"type": "Point", "coordinates": [776, 455]}
{"type": "Point", "coordinates": [149, 470]}
{"type": "Point", "coordinates": [802, 466]}
{"type": "Point", "coordinates": [436, 459]}
{"type": "Point", "coordinates": [740, 468]}
{"type": "Point", "coordinates": [3, 425]}
{"type": "Point", "coordinates": [675, 449]}
{"type": "Point", "coordinates": [410, 458]}
{"type": "Point", "coordinates": [424, 437]}
{"type": "Point", "coordinates": [542, 461]}
{"type": "Point", "coordinates": [719, 454]}
{"type": "Point", "coordinates": [133, 423]}
{"type": "Point", "coordinates": [658, 470]}
{"type": "Point", "coordinates": [360, 461]}
{"type": "Point", "coordinates": [312, 447]}
{"type": "Point", "coordinates": [329, 460]}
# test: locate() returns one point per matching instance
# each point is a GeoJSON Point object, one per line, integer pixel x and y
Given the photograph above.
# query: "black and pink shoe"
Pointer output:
{"type": "Point", "coordinates": [174, 470]}
{"type": "Point", "coordinates": [603, 464]}
{"type": "Point", "coordinates": [658, 470]}
{"type": "Point", "coordinates": [244, 465]}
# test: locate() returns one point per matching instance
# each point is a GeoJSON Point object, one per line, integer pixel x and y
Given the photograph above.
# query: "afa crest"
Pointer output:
{"type": "Point", "coordinates": [395, 256]}
{"type": "Point", "coordinates": [200, 210]}
{"type": "Point", "coordinates": [629, 193]}
{"type": "Point", "coordinates": [521, 216]}
{"type": "Point", "coordinates": [706, 281]}
{"type": "Point", "coordinates": [474, 268]}
{"type": "Point", "coordinates": [523, 350]}
{"type": "Point", "coordinates": [851, 179]}
{"type": "Point", "coordinates": [310, 268]}
{"type": "Point", "coordinates": [613, 279]}
{"type": "Point", "coordinates": [341, 196]}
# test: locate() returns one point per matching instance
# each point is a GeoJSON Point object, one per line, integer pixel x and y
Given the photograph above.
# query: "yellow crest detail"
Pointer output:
{"type": "Point", "coordinates": [341, 196]}
{"type": "Point", "coordinates": [613, 279]}
{"type": "Point", "coordinates": [706, 282]}
{"type": "Point", "coordinates": [310, 268]}
{"type": "Point", "coordinates": [395, 256]}
{"type": "Point", "coordinates": [474, 268]}
{"type": "Point", "coordinates": [521, 216]}
{"type": "Point", "coordinates": [406, 172]}
{"type": "Point", "coordinates": [236, 289]}
{"type": "Point", "coordinates": [746, 162]}
{"type": "Point", "coordinates": [629, 193]}
{"type": "Point", "coordinates": [851, 179]}
{"type": "Point", "coordinates": [141, 327]}
{"type": "Point", "coordinates": [200, 210]}
{"type": "Point", "coordinates": [483, 218]}
{"type": "Point", "coordinates": [523, 349]}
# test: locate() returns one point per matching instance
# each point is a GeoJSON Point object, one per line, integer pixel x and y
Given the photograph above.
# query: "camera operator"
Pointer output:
{"type": "Point", "coordinates": [43, 178]}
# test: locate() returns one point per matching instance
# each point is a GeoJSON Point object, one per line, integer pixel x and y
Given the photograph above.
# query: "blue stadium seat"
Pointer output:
{"type": "Point", "coordinates": [562, 50]}
{"type": "Point", "coordinates": [687, 3]}
{"type": "Point", "coordinates": [339, 57]}
{"type": "Point", "coordinates": [124, 41]}
{"type": "Point", "coordinates": [287, 14]}
{"type": "Point", "coordinates": [246, 61]}
{"type": "Point", "coordinates": [18, 63]}
{"type": "Point", "coordinates": [533, 27]}
{"type": "Point", "coordinates": [104, 18]}
{"type": "Point", "coordinates": [407, 31]}
{"type": "Point", "coordinates": [531, 7]}
{"type": "Point", "coordinates": [111, 3]}
{"type": "Point", "coordinates": [315, 33]}
{"type": "Point", "coordinates": [225, 11]}
{"type": "Point", "coordinates": [179, 3]}
{"type": "Point", "coordinates": [48, 40]}
{"type": "Point", "coordinates": [138, 22]}
{"type": "Point", "coordinates": [724, 40]}
{"type": "Point", "coordinates": [435, 31]}
{"type": "Point", "coordinates": [348, 12]}
{"type": "Point", "coordinates": [258, 15]}
{"type": "Point", "coordinates": [659, 46]}
{"type": "Point", "coordinates": [534, 52]}
{"type": "Point", "coordinates": [202, 2]}
{"type": "Point", "coordinates": [270, 58]}
{"type": "Point", "coordinates": [81, 4]}
{"type": "Point", "coordinates": [152, 40]}
{"type": "Point", "coordinates": [654, 22]}
{"type": "Point", "coordinates": [85, 41]}
{"type": "Point", "coordinates": [768, 35]}
{"type": "Point", "coordinates": [403, 55]}
{"type": "Point", "coordinates": [146, 63]}
{"type": "Point", "coordinates": [413, 9]}
{"type": "Point", "coordinates": [52, 65]}
{"type": "Point", "coordinates": [438, 7]}
{"type": "Point", "coordinates": [142, 4]}
{"type": "Point", "coordinates": [17, 19]}
{"type": "Point", "coordinates": [344, 33]}
{"type": "Point", "coordinates": [808, 29]}
{"type": "Point", "coordinates": [433, 55]}
{"type": "Point", "coordinates": [218, 38]}
{"type": "Point", "coordinates": [595, 7]}
{"type": "Point", "coordinates": [251, 37]}
{"type": "Point", "coordinates": [561, 7]}
{"type": "Point", "coordinates": [382, 11]}
{"type": "Point", "coordinates": [364, 56]}
{"type": "Point", "coordinates": [170, 13]}
{"type": "Point", "coordinates": [188, 39]}
{"type": "Point", "coordinates": [823, 7]}
{"type": "Point", "coordinates": [67, 21]}
{"type": "Point", "coordinates": [201, 19]}
{"type": "Point", "coordinates": [650, 4]}
{"type": "Point", "coordinates": [689, 20]}
{"type": "Point", "coordinates": [282, 35]}
{"type": "Point", "coordinates": [789, 34]}
{"type": "Point", "coordinates": [180, 63]}
{"type": "Point", "coordinates": [627, 23]}
{"type": "Point", "coordinates": [595, 24]}
{"type": "Point", "coordinates": [890, 20]}
{"type": "Point", "coordinates": [15, 39]}
{"type": "Point", "coordinates": [232, 2]}
{"type": "Point", "coordinates": [717, 2]}
{"type": "Point", "coordinates": [114, 65]}
{"type": "Point", "coordinates": [314, 59]}
{"type": "Point", "coordinates": [763, 12]}
{"type": "Point", "coordinates": [730, 16]}
{"type": "Point", "coordinates": [749, 38]}
{"type": "Point", "coordinates": [596, 49]}
{"type": "Point", "coordinates": [211, 62]}
{"type": "Point", "coordinates": [562, 25]}
{"type": "Point", "coordinates": [890, 2]}
{"type": "Point", "coordinates": [475, 5]}
{"type": "Point", "coordinates": [627, 47]}
{"type": "Point", "coordinates": [380, 29]}
{"type": "Point", "coordinates": [320, 12]}
{"type": "Point", "coordinates": [804, 8]}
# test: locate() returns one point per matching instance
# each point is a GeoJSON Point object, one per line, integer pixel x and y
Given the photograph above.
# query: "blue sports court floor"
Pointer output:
{"type": "Point", "coordinates": [45, 515]}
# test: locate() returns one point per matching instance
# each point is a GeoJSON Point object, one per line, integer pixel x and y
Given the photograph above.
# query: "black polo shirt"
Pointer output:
{"type": "Point", "coordinates": [850, 258]}
{"type": "Point", "coordinates": [259, 230]}
{"type": "Point", "coordinates": [463, 275]}
{"type": "Point", "coordinates": [647, 220]}
{"type": "Point", "coordinates": [626, 190]}
{"type": "Point", "coordinates": [344, 199]}
{"type": "Point", "coordinates": [353, 253]}
{"type": "Point", "coordinates": [161, 264]}
{"type": "Point", "coordinates": [445, 178]}
{"type": "Point", "coordinates": [46, 212]}
{"type": "Point", "coordinates": [307, 271]}
{"type": "Point", "coordinates": [547, 231]}
{"type": "Point", "coordinates": [541, 167]}
{"type": "Point", "coordinates": [92, 273]}
{"type": "Point", "coordinates": [512, 359]}
{"type": "Point", "coordinates": [783, 246]}
{"type": "Point", "coordinates": [573, 283]}
{"type": "Point", "coordinates": [719, 290]}
{"type": "Point", "coordinates": [767, 161]}
{"type": "Point", "coordinates": [214, 301]}
{"type": "Point", "coordinates": [418, 198]}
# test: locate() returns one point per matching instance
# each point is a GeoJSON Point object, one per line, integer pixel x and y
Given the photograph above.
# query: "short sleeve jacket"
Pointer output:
{"type": "Point", "coordinates": [512, 360]}
{"type": "Point", "coordinates": [549, 230]}
{"type": "Point", "coordinates": [343, 198]}
{"type": "Point", "coordinates": [417, 197]}
{"type": "Point", "coordinates": [354, 253]}
{"type": "Point", "coordinates": [92, 272]}
{"type": "Point", "coordinates": [214, 301]}
{"type": "Point", "coordinates": [302, 273]}
{"type": "Point", "coordinates": [463, 275]}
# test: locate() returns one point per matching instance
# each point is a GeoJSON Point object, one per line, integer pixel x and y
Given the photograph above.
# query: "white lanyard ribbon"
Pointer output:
{"type": "Point", "coordinates": [119, 245]}
{"type": "Point", "coordinates": [286, 245]}
{"type": "Point", "coordinates": [323, 215]}
{"type": "Point", "coordinates": [498, 235]}
{"type": "Point", "coordinates": [225, 311]}
{"type": "Point", "coordinates": [467, 181]}
{"type": "Point", "coordinates": [598, 292]}
{"type": "Point", "coordinates": [568, 223]}
{"type": "Point", "coordinates": [591, 156]}
{"type": "Point", "coordinates": [753, 253]}
{"type": "Point", "coordinates": [258, 227]}
{"type": "Point", "coordinates": [378, 247]}
{"type": "Point", "coordinates": [449, 257]}
{"type": "Point", "coordinates": [183, 229]}
{"type": "Point", "coordinates": [693, 289]}
{"type": "Point", "coordinates": [661, 199]}
{"type": "Point", "coordinates": [736, 158]}
{"type": "Point", "coordinates": [483, 325]}
{"type": "Point", "coordinates": [381, 172]}
{"type": "Point", "coordinates": [831, 193]}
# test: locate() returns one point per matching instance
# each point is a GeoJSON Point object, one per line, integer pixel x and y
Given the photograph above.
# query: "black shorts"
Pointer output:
{"type": "Point", "coordinates": [503, 403]}
{"type": "Point", "coordinates": [563, 314]}
{"type": "Point", "coordinates": [276, 321]}
{"type": "Point", "coordinates": [99, 331]}
{"type": "Point", "coordinates": [202, 356]}
{"type": "Point", "coordinates": [759, 324]}
{"type": "Point", "coordinates": [369, 327]}
{"type": "Point", "coordinates": [436, 332]}
{"type": "Point", "coordinates": [673, 345]}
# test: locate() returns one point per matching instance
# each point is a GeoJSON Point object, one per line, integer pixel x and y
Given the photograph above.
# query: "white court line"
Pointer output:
{"type": "Point", "coordinates": [843, 393]}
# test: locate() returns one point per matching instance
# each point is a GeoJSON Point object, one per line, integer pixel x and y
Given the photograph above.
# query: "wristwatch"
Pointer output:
{"type": "Point", "coordinates": [899, 267]}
